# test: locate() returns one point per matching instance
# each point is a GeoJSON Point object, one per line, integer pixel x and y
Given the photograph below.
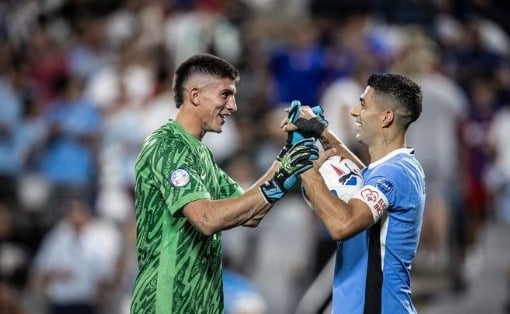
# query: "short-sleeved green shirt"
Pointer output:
{"type": "Point", "coordinates": [180, 269]}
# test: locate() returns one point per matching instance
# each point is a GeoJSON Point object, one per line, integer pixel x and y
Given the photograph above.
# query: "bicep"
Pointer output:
{"type": "Point", "coordinates": [356, 219]}
{"type": "Point", "coordinates": [361, 215]}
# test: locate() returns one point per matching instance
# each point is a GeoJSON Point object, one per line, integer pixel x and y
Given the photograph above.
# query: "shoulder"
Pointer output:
{"type": "Point", "coordinates": [167, 137]}
{"type": "Point", "coordinates": [399, 169]}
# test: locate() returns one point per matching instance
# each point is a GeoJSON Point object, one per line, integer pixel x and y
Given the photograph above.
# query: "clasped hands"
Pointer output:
{"type": "Point", "coordinates": [303, 126]}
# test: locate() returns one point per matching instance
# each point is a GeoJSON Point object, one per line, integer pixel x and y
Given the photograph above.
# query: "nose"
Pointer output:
{"type": "Point", "coordinates": [355, 110]}
{"type": "Point", "coordinates": [232, 104]}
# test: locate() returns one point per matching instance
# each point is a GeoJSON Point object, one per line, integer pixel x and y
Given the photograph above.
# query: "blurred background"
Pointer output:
{"type": "Point", "coordinates": [83, 82]}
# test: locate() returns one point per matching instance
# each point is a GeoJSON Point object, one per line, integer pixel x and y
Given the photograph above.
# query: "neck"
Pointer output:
{"type": "Point", "coordinates": [188, 121]}
{"type": "Point", "coordinates": [385, 145]}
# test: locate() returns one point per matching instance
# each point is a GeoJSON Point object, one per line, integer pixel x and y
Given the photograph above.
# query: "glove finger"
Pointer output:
{"type": "Point", "coordinates": [310, 147]}
{"type": "Point", "coordinates": [304, 141]}
{"type": "Point", "coordinates": [300, 160]}
{"type": "Point", "coordinates": [298, 172]}
{"type": "Point", "coordinates": [305, 144]}
{"type": "Point", "coordinates": [306, 152]}
{"type": "Point", "coordinates": [314, 154]}
{"type": "Point", "coordinates": [301, 151]}
{"type": "Point", "coordinates": [294, 109]}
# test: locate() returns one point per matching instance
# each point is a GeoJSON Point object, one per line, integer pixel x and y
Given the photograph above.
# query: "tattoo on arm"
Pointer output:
{"type": "Point", "coordinates": [325, 143]}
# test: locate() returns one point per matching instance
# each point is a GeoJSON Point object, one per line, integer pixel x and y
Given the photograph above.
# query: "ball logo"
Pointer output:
{"type": "Point", "coordinates": [349, 177]}
{"type": "Point", "coordinates": [341, 176]}
{"type": "Point", "coordinates": [179, 177]}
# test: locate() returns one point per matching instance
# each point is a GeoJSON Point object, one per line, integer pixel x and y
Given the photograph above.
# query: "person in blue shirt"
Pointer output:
{"type": "Point", "coordinates": [297, 66]}
{"type": "Point", "coordinates": [378, 230]}
{"type": "Point", "coordinates": [241, 295]}
{"type": "Point", "coordinates": [10, 119]}
{"type": "Point", "coordinates": [69, 159]}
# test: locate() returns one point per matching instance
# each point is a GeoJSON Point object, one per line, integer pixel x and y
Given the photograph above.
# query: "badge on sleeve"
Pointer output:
{"type": "Point", "coordinates": [179, 178]}
{"type": "Point", "coordinates": [375, 199]}
{"type": "Point", "coordinates": [385, 185]}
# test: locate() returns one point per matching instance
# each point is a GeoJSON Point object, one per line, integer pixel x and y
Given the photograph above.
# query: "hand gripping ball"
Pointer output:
{"type": "Point", "coordinates": [342, 177]}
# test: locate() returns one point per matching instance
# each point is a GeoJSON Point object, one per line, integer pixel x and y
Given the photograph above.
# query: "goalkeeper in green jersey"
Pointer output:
{"type": "Point", "coordinates": [183, 200]}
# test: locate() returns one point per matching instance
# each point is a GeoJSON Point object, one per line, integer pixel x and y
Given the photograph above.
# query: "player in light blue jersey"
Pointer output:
{"type": "Point", "coordinates": [378, 230]}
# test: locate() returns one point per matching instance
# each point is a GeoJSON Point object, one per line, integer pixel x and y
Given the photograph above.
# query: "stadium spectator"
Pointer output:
{"type": "Point", "coordinates": [75, 265]}
{"type": "Point", "coordinates": [69, 159]}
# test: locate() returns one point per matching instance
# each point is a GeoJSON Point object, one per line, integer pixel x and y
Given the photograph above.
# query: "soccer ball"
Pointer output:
{"type": "Point", "coordinates": [342, 177]}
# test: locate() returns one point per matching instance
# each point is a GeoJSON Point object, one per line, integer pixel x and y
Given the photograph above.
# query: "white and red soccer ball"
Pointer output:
{"type": "Point", "coordinates": [342, 177]}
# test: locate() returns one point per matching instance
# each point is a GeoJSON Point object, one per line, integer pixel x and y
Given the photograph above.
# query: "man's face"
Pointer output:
{"type": "Point", "coordinates": [366, 114]}
{"type": "Point", "coordinates": [216, 100]}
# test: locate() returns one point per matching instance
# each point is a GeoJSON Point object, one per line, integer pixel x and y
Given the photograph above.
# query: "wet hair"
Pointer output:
{"type": "Point", "coordinates": [201, 64]}
{"type": "Point", "coordinates": [402, 94]}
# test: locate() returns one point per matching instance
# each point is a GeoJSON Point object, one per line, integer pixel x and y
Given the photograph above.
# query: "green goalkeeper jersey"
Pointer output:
{"type": "Point", "coordinates": [180, 269]}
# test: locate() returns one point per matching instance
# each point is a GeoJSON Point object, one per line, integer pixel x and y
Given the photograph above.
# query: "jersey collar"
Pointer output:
{"type": "Point", "coordinates": [407, 150]}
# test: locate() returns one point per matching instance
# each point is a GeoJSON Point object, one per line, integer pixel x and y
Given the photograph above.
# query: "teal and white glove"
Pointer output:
{"type": "Point", "coordinates": [306, 128]}
{"type": "Point", "coordinates": [294, 162]}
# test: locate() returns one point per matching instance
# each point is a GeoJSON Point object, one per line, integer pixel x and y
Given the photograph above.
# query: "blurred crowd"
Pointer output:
{"type": "Point", "coordinates": [83, 82]}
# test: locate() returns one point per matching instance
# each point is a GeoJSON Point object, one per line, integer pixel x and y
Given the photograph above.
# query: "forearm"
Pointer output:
{"type": "Point", "coordinates": [341, 219]}
{"type": "Point", "coordinates": [267, 175]}
{"type": "Point", "coordinates": [330, 210]}
{"type": "Point", "coordinates": [255, 220]}
{"type": "Point", "coordinates": [211, 216]}
{"type": "Point", "coordinates": [329, 140]}
{"type": "Point", "coordinates": [241, 210]}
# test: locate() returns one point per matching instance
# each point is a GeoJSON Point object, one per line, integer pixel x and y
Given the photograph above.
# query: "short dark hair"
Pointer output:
{"type": "Point", "coordinates": [405, 95]}
{"type": "Point", "coordinates": [202, 63]}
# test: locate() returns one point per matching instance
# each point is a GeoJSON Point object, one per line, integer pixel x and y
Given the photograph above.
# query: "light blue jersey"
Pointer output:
{"type": "Point", "coordinates": [372, 271]}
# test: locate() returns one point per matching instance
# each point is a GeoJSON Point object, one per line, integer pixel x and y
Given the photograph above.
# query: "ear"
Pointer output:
{"type": "Point", "coordinates": [387, 118]}
{"type": "Point", "coordinates": [194, 96]}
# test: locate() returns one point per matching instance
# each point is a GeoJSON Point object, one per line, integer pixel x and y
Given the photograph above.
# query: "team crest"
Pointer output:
{"type": "Point", "coordinates": [179, 177]}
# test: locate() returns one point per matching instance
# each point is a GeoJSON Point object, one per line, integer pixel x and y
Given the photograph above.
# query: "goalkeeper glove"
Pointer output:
{"type": "Point", "coordinates": [306, 128]}
{"type": "Point", "coordinates": [294, 162]}
{"type": "Point", "coordinates": [292, 137]}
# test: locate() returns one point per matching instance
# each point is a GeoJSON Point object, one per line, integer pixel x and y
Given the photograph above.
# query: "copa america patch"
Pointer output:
{"type": "Point", "coordinates": [179, 177]}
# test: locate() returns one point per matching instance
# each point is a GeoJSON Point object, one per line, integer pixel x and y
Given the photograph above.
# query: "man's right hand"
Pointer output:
{"type": "Point", "coordinates": [294, 162]}
{"type": "Point", "coordinates": [304, 128]}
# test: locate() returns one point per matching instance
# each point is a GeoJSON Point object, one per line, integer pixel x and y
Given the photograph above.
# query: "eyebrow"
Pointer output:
{"type": "Point", "coordinates": [229, 90]}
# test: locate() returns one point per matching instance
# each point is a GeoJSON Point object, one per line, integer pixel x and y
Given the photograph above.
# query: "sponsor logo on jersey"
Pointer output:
{"type": "Point", "coordinates": [374, 200]}
{"type": "Point", "coordinates": [370, 195]}
{"type": "Point", "coordinates": [179, 177]}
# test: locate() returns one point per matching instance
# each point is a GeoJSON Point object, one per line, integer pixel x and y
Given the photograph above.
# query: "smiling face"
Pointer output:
{"type": "Point", "coordinates": [367, 114]}
{"type": "Point", "coordinates": [214, 100]}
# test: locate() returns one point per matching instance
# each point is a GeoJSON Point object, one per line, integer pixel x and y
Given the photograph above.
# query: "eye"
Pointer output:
{"type": "Point", "coordinates": [226, 94]}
